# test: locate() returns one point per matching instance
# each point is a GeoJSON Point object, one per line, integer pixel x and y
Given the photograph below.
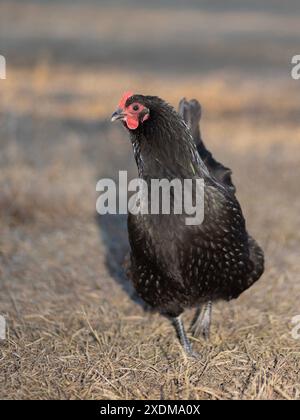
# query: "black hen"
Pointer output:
{"type": "Point", "coordinates": [174, 266]}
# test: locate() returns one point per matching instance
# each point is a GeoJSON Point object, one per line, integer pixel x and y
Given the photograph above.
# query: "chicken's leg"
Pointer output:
{"type": "Point", "coordinates": [186, 344]}
{"type": "Point", "coordinates": [201, 324]}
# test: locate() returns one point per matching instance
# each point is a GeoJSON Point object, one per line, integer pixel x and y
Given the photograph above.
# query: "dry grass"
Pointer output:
{"type": "Point", "coordinates": [75, 328]}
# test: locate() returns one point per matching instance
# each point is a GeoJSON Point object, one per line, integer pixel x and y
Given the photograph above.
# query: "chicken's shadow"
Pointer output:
{"type": "Point", "coordinates": [113, 232]}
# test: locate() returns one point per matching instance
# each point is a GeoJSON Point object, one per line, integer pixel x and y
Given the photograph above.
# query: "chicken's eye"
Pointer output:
{"type": "Point", "coordinates": [135, 107]}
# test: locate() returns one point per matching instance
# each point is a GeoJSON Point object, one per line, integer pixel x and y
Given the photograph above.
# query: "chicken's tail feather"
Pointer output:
{"type": "Point", "coordinates": [191, 112]}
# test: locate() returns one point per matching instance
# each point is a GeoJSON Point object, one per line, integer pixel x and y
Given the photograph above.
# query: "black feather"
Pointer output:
{"type": "Point", "coordinates": [191, 113]}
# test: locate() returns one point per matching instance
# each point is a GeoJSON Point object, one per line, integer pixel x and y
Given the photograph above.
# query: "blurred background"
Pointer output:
{"type": "Point", "coordinates": [75, 329]}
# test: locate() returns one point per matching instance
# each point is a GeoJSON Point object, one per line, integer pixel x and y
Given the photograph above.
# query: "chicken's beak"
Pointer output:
{"type": "Point", "coordinates": [117, 115]}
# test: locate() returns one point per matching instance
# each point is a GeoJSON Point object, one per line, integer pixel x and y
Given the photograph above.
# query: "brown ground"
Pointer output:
{"type": "Point", "coordinates": [75, 327]}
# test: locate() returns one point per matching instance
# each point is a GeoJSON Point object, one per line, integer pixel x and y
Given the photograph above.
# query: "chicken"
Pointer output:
{"type": "Point", "coordinates": [175, 266]}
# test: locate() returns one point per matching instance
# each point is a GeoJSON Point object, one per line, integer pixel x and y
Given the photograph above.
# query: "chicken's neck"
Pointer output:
{"type": "Point", "coordinates": [165, 149]}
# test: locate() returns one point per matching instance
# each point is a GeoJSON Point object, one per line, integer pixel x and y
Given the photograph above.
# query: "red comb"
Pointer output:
{"type": "Point", "coordinates": [124, 99]}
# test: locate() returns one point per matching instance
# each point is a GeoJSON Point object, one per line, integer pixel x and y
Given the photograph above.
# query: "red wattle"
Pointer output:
{"type": "Point", "coordinates": [132, 123]}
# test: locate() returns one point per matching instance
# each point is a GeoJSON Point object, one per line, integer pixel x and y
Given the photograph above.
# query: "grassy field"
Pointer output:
{"type": "Point", "coordinates": [75, 327]}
